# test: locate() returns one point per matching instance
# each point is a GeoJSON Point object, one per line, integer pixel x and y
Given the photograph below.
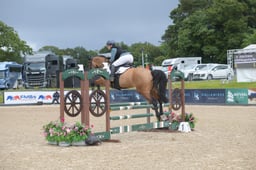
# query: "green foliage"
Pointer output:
{"type": "Point", "coordinates": [250, 38]}
{"type": "Point", "coordinates": [189, 117]}
{"type": "Point", "coordinates": [60, 132]}
{"type": "Point", "coordinates": [215, 84]}
{"type": "Point", "coordinates": [11, 46]}
{"type": "Point", "coordinates": [149, 52]}
{"type": "Point", "coordinates": [176, 119]}
{"type": "Point", "coordinates": [208, 28]}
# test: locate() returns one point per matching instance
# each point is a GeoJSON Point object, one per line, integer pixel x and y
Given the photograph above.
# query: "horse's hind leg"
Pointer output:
{"type": "Point", "coordinates": [155, 107]}
{"type": "Point", "coordinates": [161, 113]}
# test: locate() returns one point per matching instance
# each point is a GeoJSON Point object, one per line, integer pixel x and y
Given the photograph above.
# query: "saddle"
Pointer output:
{"type": "Point", "coordinates": [118, 72]}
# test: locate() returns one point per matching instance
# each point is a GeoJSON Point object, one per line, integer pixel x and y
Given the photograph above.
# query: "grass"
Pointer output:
{"type": "Point", "coordinates": [215, 84]}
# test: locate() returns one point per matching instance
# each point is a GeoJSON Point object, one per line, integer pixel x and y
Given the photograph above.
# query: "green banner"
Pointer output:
{"type": "Point", "coordinates": [236, 96]}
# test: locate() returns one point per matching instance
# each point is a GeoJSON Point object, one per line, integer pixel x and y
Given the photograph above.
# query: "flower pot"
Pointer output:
{"type": "Point", "coordinates": [174, 126]}
{"type": "Point", "coordinates": [52, 142]}
{"type": "Point", "coordinates": [64, 144]}
{"type": "Point", "coordinates": [78, 143]}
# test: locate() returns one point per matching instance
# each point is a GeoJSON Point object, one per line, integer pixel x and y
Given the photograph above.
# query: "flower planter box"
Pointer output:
{"type": "Point", "coordinates": [64, 144]}
{"type": "Point", "coordinates": [79, 143]}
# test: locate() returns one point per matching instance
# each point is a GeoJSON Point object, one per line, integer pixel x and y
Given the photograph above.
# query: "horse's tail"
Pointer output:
{"type": "Point", "coordinates": [159, 84]}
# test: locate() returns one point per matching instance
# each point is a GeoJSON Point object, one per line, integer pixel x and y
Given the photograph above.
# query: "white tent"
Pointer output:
{"type": "Point", "coordinates": [245, 64]}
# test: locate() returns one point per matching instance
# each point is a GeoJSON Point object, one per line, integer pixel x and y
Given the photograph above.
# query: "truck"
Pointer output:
{"type": "Point", "coordinates": [53, 66]}
{"type": "Point", "coordinates": [34, 70]}
{"type": "Point", "coordinates": [42, 69]}
{"type": "Point", "coordinates": [10, 75]}
{"type": "Point", "coordinates": [70, 63]}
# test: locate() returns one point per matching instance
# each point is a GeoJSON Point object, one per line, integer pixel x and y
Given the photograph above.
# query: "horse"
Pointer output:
{"type": "Point", "coordinates": [150, 84]}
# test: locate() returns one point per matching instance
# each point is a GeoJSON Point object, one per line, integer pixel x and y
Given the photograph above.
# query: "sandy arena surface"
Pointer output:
{"type": "Point", "coordinates": [224, 138]}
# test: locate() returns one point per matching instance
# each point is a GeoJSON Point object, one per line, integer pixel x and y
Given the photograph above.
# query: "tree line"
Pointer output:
{"type": "Point", "coordinates": [206, 28]}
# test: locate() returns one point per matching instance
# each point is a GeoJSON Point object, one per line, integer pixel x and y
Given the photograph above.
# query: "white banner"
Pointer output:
{"type": "Point", "coordinates": [246, 74]}
{"type": "Point", "coordinates": [32, 97]}
{"type": "Point", "coordinates": [28, 97]}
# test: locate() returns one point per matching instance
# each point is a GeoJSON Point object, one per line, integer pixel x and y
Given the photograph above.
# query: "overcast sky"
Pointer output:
{"type": "Point", "coordinates": [87, 23]}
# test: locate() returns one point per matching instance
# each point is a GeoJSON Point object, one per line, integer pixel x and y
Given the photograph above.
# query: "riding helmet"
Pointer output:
{"type": "Point", "coordinates": [110, 42]}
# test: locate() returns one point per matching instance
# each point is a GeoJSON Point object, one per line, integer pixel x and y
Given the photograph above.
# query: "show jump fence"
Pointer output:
{"type": "Point", "coordinates": [74, 103]}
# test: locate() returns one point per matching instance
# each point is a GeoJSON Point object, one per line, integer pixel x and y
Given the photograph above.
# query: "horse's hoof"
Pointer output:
{"type": "Point", "coordinates": [164, 117]}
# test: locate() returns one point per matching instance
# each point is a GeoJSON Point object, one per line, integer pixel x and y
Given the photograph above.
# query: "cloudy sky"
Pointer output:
{"type": "Point", "coordinates": [87, 23]}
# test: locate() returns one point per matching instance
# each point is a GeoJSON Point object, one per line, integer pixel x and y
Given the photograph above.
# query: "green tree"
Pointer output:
{"type": "Point", "coordinates": [208, 28]}
{"type": "Point", "coordinates": [145, 50]}
{"type": "Point", "coordinates": [53, 49]}
{"type": "Point", "coordinates": [11, 46]}
{"type": "Point", "coordinates": [250, 38]}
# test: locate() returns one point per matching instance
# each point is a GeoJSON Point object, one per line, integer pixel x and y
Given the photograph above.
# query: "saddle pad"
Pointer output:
{"type": "Point", "coordinates": [122, 70]}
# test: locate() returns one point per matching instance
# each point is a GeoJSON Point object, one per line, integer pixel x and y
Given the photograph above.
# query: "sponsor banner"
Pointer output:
{"type": "Point", "coordinates": [245, 58]}
{"type": "Point", "coordinates": [30, 97]}
{"type": "Point", "coordinates": [192, 96]}
{"type": "Point", "coordinates": [237, 96]}
{"type": "Point", "coordinates": [119, 96]}
{"type": "Point", "coordinates": [252, 96]}
{"type": "Point", "coordinates": [204, 96]}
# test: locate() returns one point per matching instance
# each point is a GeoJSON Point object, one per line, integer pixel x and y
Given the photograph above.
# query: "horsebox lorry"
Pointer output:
{"type": "Point", "coordinates": [42, 69]}
{"type": "Point", "coordinates": [181, 62]}
{"type": "Point", "coordinates": [34, 71]}
{"type": "Point", "coordinates": [10, 75]}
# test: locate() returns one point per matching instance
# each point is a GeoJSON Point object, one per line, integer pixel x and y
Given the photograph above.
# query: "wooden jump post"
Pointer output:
{"type": "Point", "coordinates": [177, 74]}
{"type": "Point", "coordinates": [84, 94]}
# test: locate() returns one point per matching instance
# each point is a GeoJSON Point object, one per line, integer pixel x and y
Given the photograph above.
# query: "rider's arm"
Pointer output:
{"type": "Point", "coordinates": [113, 54]}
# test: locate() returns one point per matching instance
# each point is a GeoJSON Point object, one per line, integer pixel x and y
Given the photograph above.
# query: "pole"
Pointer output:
{"type": "Point", "coordinates": [142, 58]}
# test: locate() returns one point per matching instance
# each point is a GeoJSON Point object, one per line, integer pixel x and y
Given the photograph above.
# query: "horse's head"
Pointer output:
{"type": "Point", "coordinates": [98, 61]}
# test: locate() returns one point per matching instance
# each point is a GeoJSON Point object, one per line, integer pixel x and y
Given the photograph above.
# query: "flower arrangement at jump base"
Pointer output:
{"type": "Point", "coordinates": [61, 133]}
{"type": "Point", "coordinates": [176, 119]}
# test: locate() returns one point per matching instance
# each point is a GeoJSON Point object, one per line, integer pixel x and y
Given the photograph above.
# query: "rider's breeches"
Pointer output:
{"type": "Point", "coordinates": [124, 58]}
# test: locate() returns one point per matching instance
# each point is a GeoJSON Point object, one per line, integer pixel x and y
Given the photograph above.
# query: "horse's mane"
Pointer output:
{"type": "Point", "coordinates": [100, 55]}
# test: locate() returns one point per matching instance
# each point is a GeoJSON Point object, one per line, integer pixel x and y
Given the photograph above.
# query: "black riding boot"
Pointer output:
{"type": "Point", "coordinates": [112, 69]}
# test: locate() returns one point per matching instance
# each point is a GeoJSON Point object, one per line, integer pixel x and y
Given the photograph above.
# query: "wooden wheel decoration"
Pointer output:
{"type": "Point", "coordinates": [98, 104]}
{"type": "Point", "coordinates": [73, 103]}
{"type": "Point", "coordinates": [176, 99]}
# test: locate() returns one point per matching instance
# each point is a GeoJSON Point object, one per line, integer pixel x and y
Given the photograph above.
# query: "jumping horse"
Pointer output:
{"type": "Point", "coordinates": [150, 84]}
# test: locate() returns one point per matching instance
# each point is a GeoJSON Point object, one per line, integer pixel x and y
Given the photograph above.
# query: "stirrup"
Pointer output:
{"type": "Point", "coordinates": [111, 79]}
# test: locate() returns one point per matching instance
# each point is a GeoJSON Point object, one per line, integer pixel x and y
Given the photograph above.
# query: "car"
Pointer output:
{"type": "Point", "coordinates": [214, 71]}
{"type": "Point", "coordinates": [190, 69]}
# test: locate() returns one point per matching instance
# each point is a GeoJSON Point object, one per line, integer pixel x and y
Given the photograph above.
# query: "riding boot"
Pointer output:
{"type": "Point", "coordinates": [112, 73]}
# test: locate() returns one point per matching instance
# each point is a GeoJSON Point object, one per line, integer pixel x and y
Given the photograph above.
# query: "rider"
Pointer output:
{"type": "Point", "coordinates": [118, 57]}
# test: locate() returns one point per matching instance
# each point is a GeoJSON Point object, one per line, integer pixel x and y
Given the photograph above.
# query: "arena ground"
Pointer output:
{"type": "Point", "coordinates": [224, 138]}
